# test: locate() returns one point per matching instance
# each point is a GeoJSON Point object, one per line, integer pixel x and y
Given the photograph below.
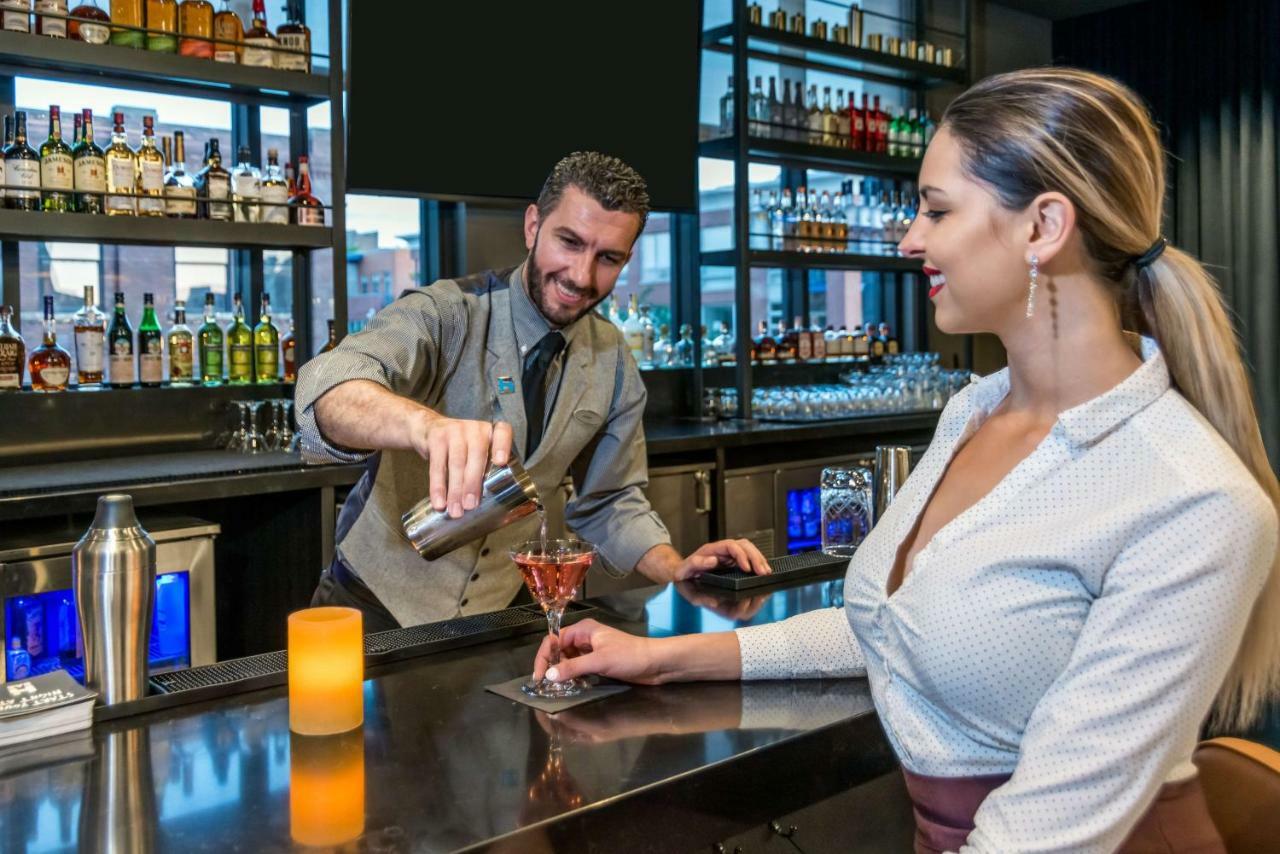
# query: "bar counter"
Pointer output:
{"type": "Point", "coordinates": [448, 766]}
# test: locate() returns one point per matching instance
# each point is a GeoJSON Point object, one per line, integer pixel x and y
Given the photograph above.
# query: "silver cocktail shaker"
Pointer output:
{"type": "Point", "coordinates": [893, 464]}
{"type": "Point", "coordinates": [113, 575]}
{"type": "Point", "coordinates": [508, 495]}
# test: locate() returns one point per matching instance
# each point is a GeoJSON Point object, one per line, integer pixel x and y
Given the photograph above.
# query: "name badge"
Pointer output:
{"type": "Point", "coordinates": [506, 385]}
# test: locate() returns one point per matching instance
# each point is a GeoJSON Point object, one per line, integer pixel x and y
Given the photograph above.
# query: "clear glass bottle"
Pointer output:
{"type": "Point", "coordinates": [150, 172]}
{"type": "Point", "coordinates": [90, 325]}
{"type": "Point", "coordinates": [210, 338]}
{"type": "Point", "coordinates": [239, 347]}
{"type": "Point", "coordinates": [128, 13]}
{"type": "Point", "coordinates": [307, 209]}
{"type": "Point", "coordinates": [150, 344]}
{"type": "Point", "coordinates": [181, 367]}
{"type": "Point", "coordinates": [261, 47]}
{"type": "Point", "coordinates": [179, 189]}
{"type": "Point", "coordinates": [228, 34]}
{"type": "Point", "coordinates": [162, 26]}
{"type": "Point", "coordinates": [56, 169]}
{"type": "Point", "coordinates": [13, 352]}
{"type": "Point", "coordinates": [195, 24]}
{"type": "Point", "coordinates": [648, 333]}
{"type": "Point", "coordinates": [726, 110]}
{"type": "Point", "coordinates": [213, 186]}
{"type": "Point", "coordinates": [122, 172]}
{"type": "Point", "coordinates": [246, 188]}
{"type": "Point", "coordinates": [633, 329]}
{"type": "Point", "coordinates": [684, 347]}
{"type": "Point", "coordinates": [266, 346]}
{"type": "Point", "coordinates": [295, 39]}
{"type": "Point", "coordinates": [830, 137]}
{"type": "Point", "coordinates": [120, 342]}
{"type": "Point", "coordinates": [813, 120]}
{"type": "Point", "coordinates": [662, 349]}
{"type": "Point", "coordinates": [49, 365]}
{"type": "Point", "coordinates": [274, 191]}
{"type": "Point", "coordinates": [89, 167]}
{"type": "Point", "coordinates": [21, 169]}
{"type": "Point", "coordinates": [842, 121]}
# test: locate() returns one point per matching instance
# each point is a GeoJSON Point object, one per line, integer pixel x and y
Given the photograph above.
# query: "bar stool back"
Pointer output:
{"type": "Point", "coordinates": [1241, 782]}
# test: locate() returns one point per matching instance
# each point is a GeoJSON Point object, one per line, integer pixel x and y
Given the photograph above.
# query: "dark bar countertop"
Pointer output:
{"type": "Point", "coordinates": [448, 766]}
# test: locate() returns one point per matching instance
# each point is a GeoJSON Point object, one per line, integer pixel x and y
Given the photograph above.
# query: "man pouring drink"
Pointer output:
{"type": "Point", "coordinates": [463, 373]}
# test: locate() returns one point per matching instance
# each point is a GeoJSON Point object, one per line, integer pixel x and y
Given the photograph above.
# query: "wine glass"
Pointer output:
{"type": "Point", "coordinates": [253, 442]}
{"type": "Point", "coordinates": [553, 571]}
{"type": "Point", "coordinates": [236, 441]}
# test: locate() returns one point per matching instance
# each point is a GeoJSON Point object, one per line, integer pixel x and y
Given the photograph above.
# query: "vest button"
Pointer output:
{"type": "Point", "coordinates": [484, 552]}
{"type": "Point", "coordinates": [475, 577]}
{"type": "Point", "coordinates": [462, 604]}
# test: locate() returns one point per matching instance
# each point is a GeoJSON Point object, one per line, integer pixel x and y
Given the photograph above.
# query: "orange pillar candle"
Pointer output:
{"type": "Point", "coordinates": [326, 670]}
{"type": "Point", "coordinates": [326, 788]}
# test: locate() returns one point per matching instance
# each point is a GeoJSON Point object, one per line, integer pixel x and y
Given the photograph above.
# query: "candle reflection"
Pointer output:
{"type": "Point", "coordinates": [326, 788]}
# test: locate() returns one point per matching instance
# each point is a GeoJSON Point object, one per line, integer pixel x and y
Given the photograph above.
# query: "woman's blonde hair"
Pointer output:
{"type": "Point", "coordinates": [1092, 139]}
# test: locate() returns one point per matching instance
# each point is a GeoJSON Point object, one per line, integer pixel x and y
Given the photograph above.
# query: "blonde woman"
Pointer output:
{"type": "Point", "coordinates": [1082, 567]}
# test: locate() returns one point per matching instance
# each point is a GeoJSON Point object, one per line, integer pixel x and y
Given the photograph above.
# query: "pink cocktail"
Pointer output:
{"type": "Point", "coordinates": [553, 572]}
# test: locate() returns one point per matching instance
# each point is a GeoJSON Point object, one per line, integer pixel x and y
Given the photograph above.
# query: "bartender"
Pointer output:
{"type": "Point", "coordinates": [461, 373]}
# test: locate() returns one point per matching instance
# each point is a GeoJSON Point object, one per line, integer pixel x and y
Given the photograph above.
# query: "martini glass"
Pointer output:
{"type": "Point", "coordinates": [553, 572]}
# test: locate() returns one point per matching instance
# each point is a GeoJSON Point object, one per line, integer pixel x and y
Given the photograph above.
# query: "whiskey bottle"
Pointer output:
{"type": "Point", "coordinates": [766, 346]}
{"type": "Point", "coordinates": [150, 172]}
{"type": "Point", "coordinates": [786, 344]}
{"type": "Point", "coordinates": [804, 341]}
{"type": "Point", "coordinates": [89, 24]}
{"type": "Point", "coordinates": [633, 329]}
{"type": "Point", "coordinates": [56, 171]}
{"type": "Point", "coordinates": [179, 189]}
{"type": "Point", "coordinates": [53, 27]}
{"type": "Point", "coordinates": [195, 24]}
{"type": "Point", "coordinates": [49, 364]}
{"type": "Point", "coordinates": [890, 343]}
{"type": "Point", "coordinates": [90, 326]}
{"type": "Point", "coordinates": [120, 340]}
{"type": "Point", "coordinates": [857, 126]}
{"type": "Point", "coordinates": [266, 346]}
{"type": "Point", "coordinates": [333, 338]}
{"type": "Point", "coordinates": [275, 191]}
{"type": "Point", "coordinates": [874, 343]}
{"type": "Point", "coordinates": [213, 186]}
{"type": "Point", "coordinates": [228, 34]}
{"type": "Point", "coordinates": [4, 149]}
{"type": "Point", "coordinates": [21, 169]}
{"type": "Point", "coordinates": [260, 44]}
{"type": "Point", "coordinates": [90, 167]}
{"type": "Point", "coordinates": [239, 347]}
{"type": "Point", "coordinates": [210, 335]}
{"type": "Point", "coordinates": [180, 350]}
{"type": "Point", "coordinates": [150, 344]}
{"type": "Point", "coordinates": [813, 119]}
{"type": "Point", "coordinates": [122, 172]}
{"type": "Point", "coordinates": [830, 123]}
{"type": "Point", "coordinates": [246, 189]}
{"type": "Point", "coordinates": [295, 39]}
{"type": "Point", "coordinates": [162, 26]}
{"type": "Point", "coordinates": [307, 209]}
{"type": "Point", "coordinates": [289, 353]}
{"type": "Point", "coordinates": [818, 342]}
{"type": "Point", "coordinates": [17, 15]}
{"type": "Point", "coordinates": [128, 13]}
{"type": "Point", "coordinates": [13, 352]}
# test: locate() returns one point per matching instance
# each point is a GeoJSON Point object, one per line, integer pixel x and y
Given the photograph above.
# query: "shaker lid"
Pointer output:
{"type": "Point", "coordinates": [115, 511]}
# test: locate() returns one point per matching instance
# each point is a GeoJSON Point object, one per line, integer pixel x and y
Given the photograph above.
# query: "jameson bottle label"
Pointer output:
{"type": "Point", "coordinates": [268, 361]}
{"type": "Point", "coordinates": [91, 174]}
{"type": "Point", "coordinates": [275, 198]}
{"type": "Point", "coordinates": [180, 360]}
{"type": "Point", "coordinates": [241, 360]}
{"type": "Point", "coordinates": [152, 361]}
{"type": "Point", "coordinates": [121, 362]}
{"type": "Point", "coordinates": [10, 364]}
{"type": "Point", "coordinates": [56, 171]}
{"type": "Point", "coordinates": [23, 173]}
{"type": "Point", "coordinates": [180, 201]}
{"type": "Point", "coordinates": [89, 350]}
{"type": "Point", "coordinates": [151, 176]}
{"type": "Point", "coordinates": [122, 177]}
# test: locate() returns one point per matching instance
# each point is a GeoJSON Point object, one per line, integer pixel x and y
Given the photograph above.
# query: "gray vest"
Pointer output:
{"type": "Point", "coordinates": [481, 576]}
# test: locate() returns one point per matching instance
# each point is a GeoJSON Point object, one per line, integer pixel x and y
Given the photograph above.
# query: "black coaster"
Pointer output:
{"type": "Point", "coordinates": [600, 688]}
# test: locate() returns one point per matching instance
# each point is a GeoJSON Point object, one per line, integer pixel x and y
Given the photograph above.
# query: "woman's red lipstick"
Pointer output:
{"type": "Point", "coordinates": [934, 287]}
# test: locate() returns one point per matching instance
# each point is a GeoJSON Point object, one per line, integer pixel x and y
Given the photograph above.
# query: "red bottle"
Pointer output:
{"type": "Point", "coordinates": [868, 141]}
{"type": "Point", "coordinates": [882, 128]}
{"type": "Point", "coordinates": [857, 126]}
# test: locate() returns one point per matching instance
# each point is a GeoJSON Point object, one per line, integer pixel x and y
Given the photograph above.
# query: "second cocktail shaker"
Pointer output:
{"type": "Point", "coordinates": [508, 494]}
{"type": "Point", "coordinates": [893, 464]}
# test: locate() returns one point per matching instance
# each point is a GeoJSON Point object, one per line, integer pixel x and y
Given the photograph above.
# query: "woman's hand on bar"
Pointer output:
{"type": "Point", "coordinates": [592, 648]}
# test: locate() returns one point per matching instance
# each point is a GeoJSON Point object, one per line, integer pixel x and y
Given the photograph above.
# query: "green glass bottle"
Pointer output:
{"type": "Point", "coordinates": [239, 348]}
{"type": "Point", "coordinates": [56, 170]}
{"type": "Point", "coordinates": [210, 346]}
{"type": "Point", "coordinates": [150, 345]}
{"type": "Point", "coordinates": [266, 346]}
{"type": "Point", "coordinates": [120, 346]}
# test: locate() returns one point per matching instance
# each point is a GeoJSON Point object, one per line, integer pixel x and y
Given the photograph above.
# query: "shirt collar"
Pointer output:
{"type": "Point", "coordinates": [1090, 421]}
{"type": "Point", "coordinates": [531, 327]}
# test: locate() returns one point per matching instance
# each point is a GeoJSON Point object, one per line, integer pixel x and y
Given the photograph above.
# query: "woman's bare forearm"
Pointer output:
{"type": "Point", "coordinates": [698, 658]}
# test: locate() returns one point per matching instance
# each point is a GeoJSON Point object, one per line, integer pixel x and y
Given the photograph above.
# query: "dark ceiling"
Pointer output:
{"type": "Point", "coordinates": [1057, 10]}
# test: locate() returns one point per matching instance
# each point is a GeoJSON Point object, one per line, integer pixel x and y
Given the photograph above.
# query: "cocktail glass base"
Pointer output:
{"type": "Point", "coordinates": [548, 690]}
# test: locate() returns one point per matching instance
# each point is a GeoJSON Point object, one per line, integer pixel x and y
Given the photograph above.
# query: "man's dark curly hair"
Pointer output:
{"type": "Point", "coordinates": [612, 183]}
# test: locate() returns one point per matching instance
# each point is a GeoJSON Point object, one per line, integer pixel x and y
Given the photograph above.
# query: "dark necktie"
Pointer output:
{"type": "Point", "coordinates": [534, 384]}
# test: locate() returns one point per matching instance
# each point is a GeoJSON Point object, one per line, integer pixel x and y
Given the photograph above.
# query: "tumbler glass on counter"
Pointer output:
{"type": "Point", "coordinates": [846, 509]}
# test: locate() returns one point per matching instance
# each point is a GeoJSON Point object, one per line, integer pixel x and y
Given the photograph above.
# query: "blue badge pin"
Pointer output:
{"type": "Point", "coordinates": [506, 385]}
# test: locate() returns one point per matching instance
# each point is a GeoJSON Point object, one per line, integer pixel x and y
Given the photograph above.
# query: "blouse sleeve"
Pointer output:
{"type": "Point", "coordinates": [813, 645]}
{"type": "Point", "coordinates": [1127, 709]}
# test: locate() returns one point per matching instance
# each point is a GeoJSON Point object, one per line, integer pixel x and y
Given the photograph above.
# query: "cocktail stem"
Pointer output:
{"type": "Point", "coordinates": [554, 616]}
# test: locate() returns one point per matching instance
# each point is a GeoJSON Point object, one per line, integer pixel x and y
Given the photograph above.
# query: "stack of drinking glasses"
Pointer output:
{"type": "Point", "coordinates": [279, 435]}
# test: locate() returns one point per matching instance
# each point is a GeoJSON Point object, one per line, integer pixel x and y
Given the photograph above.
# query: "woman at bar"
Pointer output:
{"type": "Point", "coordinates": [1083, 566]}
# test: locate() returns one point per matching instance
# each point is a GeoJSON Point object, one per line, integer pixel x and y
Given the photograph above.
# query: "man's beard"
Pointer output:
{"type": "Point", "coordinates": [538, 287]}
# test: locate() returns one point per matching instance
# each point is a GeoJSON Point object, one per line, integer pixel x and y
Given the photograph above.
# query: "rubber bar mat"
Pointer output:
{"type": "Point", "coordinates": [785, 569]}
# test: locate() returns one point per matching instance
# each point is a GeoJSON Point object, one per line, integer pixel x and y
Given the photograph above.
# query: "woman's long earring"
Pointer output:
{"type": "Point", "coordinates": [1031, 292]}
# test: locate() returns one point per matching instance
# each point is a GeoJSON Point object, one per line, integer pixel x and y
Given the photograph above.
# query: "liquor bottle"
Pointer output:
{"type": "Point", "coordinates": [53, 27]}
{"type": "Point", "coordinates": [726, 110]}
{"type": "Point", "coordinates": [89, 23]}
{"type": "Point", "coordinates": [333, 338]}
{"type": "Point", "coordinates": [162, 16]}
{"type": "Point", "coordinates": [882, 128]}
{"type": "Point", "coordinates": [17, 15]}
{"type": "Point", "coordinates": [890, 342]}
{"type": "Point", "coordinates": [150, 172]}
{"type": "Point", "coordinates": [829, 121]}
{"type": "Point", "coordinates": [246, 188]}
{"type": "Point", "coordinates": [804, 341]}
{"type": "Point", "coordinates": [122, 172]}
{"type": "Point", "coordinates": [817, 343]}
{"type": "Point", "coordinates": [4, 149]}
{"type": "Point", "coordinates": [295, 39]}
{"type": "Point", "coordinates": [180, 350]}
{"type": "Point", "coordinates": [874, 341]}
{"type": "Point", "coordinates": [786, 343]}
{"type": "Point", "coordinates": [239, 347]}
{"type": "Point", "coordinates": [179, 189]}
{"type": "Point", "coordinates": [755, 103]}
{"type": "Point", "coordinates": [275, 191]}
{"type": "Point", "coordinates": [90, 167]}
{"type": "Point", "coordinates": [228, 34]}
{"type": "Point", "coordinates": [663, 352]}
{"type": "Point", "coordinates": [266, 346]}
{"type": "Point", "coordinates": [260, 44]}
{"type": "Point", "coordinates": [307, 209]}
{"type": "Point", "coordinates": [128, 13]}
{"type": "Point", "coordinates": [790, 112]}
{"type": "Point", "coordinates": [56, 170]}
{"type": "Point", "coordinates": [765, 345]}
{"type": "Point", "coordinates": [708, 352]}
{"type": "Point", "coordinates": [813, 120]}
{"type": "Point", "coordinates": [120, 340]}
{"type": "Point", "coordinates": [13, 352]}
{"type": "Point", "coordinates": [90, 326]}
{"type": "Point", "coordinates": [289, 353]}
{"type": "Point", "coordinates": [857, 128]}
{"type": "Point", "coordinates": [804, 221]}
{"type": "Point", "coordinates": [78, 128]}
{"type": "Point", "coordinates": [21, 169]}
{"type": "Point", "coordinates": [648, 334]}
{"type": "Point", "coordinates": [868, 139]}
{"type": "Point", "coordinates": [210, 337]}
{"type": "Point", "coordinates": [683, 349]}
{"type": "Point", "coordinates": [213, 186]}
{"type": "Point", "coordinates": [843, 122]}
{"type": "Point", "coordinates": [49, 364]}
{"type": "Point", "coordinates": [288, 179]}
{"type": "Point", "coordinates": [150, 345]}
{"type": "Point", "coordinates": [195, 23]}
{"type": "Point", "coordinates": [633, 329]}
{"type": "Point", "coordinates": [777, 126]}
{"type": "Point", "coordinates": [895, 133]}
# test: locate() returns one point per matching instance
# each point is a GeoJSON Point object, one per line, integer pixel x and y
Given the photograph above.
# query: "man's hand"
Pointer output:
{"type": "Point", "coordinates": [459, 453]}
{"type": "Point", "coordinates": [739, 610]}
{"type": "Point", "coordinates": [740, 553]}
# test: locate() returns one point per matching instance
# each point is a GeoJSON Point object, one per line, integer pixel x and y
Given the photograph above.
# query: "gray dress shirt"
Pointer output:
{"type": "Point", "coordinates": [457, 346]}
